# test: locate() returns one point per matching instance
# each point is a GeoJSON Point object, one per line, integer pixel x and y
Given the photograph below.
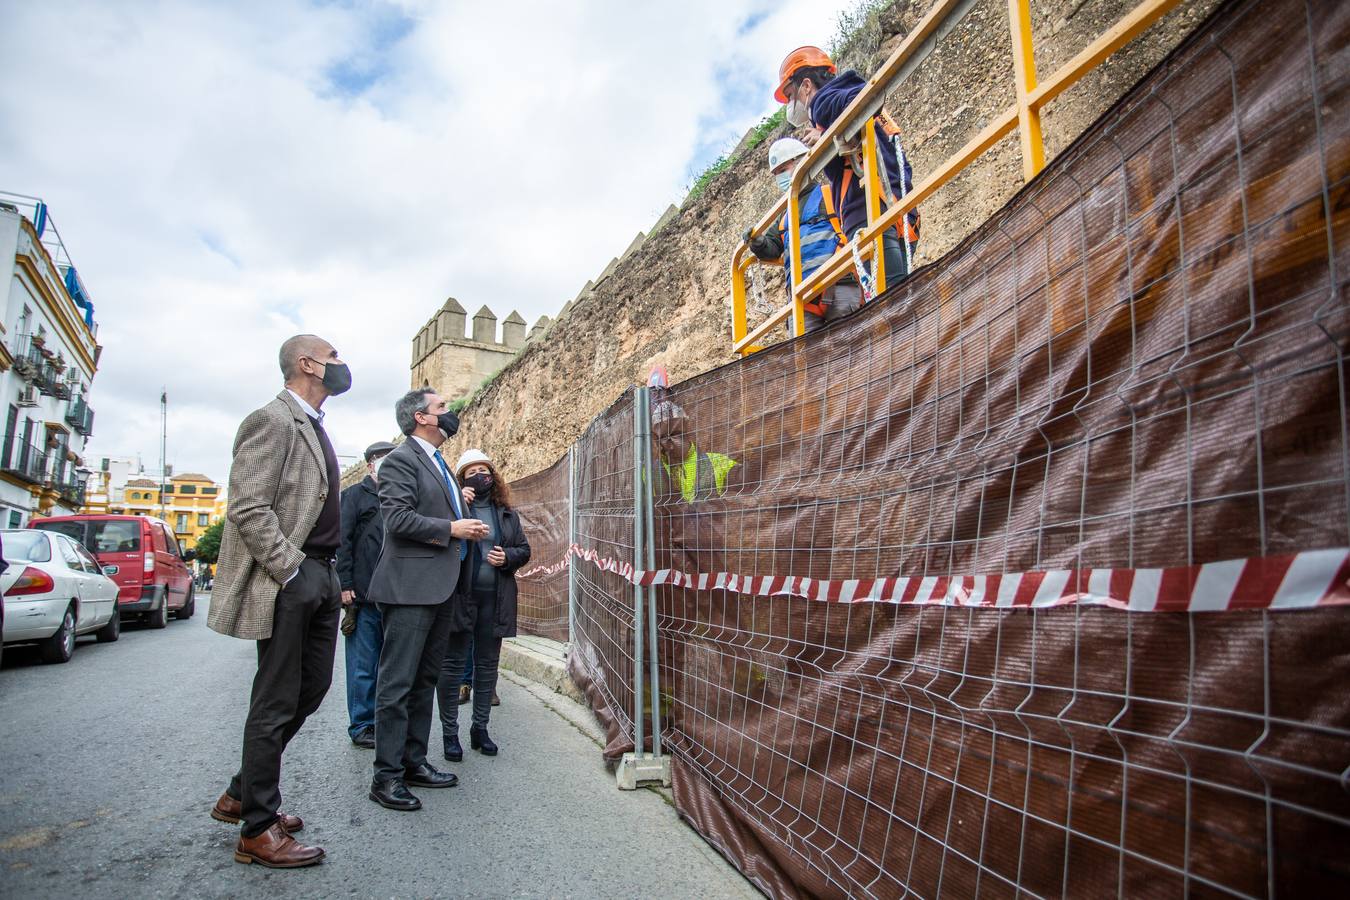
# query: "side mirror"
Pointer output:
{"type": "Point", "coordinates": [189, 555]}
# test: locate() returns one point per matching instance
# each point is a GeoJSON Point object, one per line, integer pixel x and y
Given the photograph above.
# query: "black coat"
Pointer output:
{"type": "Point", "coordinates": [517, 551]}
{"type": "Point", "coordinates": [362, 537]}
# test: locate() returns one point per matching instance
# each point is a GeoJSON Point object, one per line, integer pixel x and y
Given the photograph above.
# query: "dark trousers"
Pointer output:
{"type": "Point", "coordinates": [415, 639]}
{"type": "Point", "coordinates": [295, 669]}
{"type": "Point", "coordinates": [487, 652]}
{"type": "Point", "coordinates": [363, 660]}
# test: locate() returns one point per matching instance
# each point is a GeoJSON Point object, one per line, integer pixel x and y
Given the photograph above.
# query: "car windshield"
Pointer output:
{"type": "Point", "coordinates": [27, 546]}
{"type": "Point", "coordinates": [114, 536]}
{"type": "Point", "coordinates": [100, 535]}
{"type": "Point", "coordinates": [69, 529]}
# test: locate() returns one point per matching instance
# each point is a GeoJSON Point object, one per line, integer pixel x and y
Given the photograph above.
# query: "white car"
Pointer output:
{"type": "Point", "coordinates": [54, 590]}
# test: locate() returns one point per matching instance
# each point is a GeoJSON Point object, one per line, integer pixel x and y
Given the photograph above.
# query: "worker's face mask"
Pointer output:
{"type": "Point", "coordinates": [798, 113]}
{"type": "Point", "coordinates": [784, 180]}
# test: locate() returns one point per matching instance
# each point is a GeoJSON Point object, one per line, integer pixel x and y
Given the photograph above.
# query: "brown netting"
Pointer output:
{"type": "Point", "coordinates": [1139, 363]}
{"type": "Point", "coordinates": [541, 500]}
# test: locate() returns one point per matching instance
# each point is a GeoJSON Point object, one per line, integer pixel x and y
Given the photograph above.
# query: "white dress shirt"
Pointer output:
{"type": "Point", "coordinates": [309, 410]}
{"type": "Point", "coordinates": [455, 496]}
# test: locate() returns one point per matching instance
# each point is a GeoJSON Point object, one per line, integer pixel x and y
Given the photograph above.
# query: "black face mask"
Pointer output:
{"type": "Point", "coordinates": [337, 378]}
{"type": "Point", "coordinates": [481, 484]}
{"type": "Point", "coordinates": [448, 423]}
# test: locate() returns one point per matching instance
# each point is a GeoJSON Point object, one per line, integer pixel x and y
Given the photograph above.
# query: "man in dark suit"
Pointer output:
{"type": "Point", "coordinates": [425, 531]}
{"type": "Point", "coordinates": [277, 586]}
{"type": "Point", "coordinates": [362, 537]}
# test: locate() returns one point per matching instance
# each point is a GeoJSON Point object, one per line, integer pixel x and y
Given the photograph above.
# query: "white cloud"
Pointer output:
{"type": "Point", "coordinates": [229, 174]}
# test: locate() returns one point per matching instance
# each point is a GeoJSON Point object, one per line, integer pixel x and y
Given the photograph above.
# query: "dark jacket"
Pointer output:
{"type": "Point", "coordinates": [362, 537]}
{"type": "Point", "coordinates": [517, 551]}
{"type": "Point", "coordinates": [419, 562]}
{"type": "Point", "coordinates": [831, 100]}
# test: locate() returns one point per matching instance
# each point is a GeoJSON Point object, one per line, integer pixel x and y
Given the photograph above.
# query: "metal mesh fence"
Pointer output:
{"type": "Point", "coordinates": [542, 502]}
{"type": "Point", "coordinates": [1128, 386]}
{"type": "Point", "coordinates": [602, 653]}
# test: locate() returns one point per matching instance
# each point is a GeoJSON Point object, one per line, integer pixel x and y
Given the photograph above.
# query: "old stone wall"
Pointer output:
{"type": "Point", "coordinates": [668, 301]}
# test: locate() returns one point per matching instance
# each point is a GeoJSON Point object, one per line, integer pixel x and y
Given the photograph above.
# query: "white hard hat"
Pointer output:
{"type": "Point", "coordinates": [785, 149]}
{"type": "Point", "coordinates": [468, 458]}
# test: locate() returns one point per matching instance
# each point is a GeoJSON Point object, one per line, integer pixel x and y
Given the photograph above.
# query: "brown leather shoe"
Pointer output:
{"type": "Point", "coordinates": [228, 809]}
{"type": "Point", "coordinates": [463, 693]}
{"type": "Point", "coordinates": [276, 849]}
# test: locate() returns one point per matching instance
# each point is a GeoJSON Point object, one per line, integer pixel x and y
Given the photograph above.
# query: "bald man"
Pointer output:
{"type": "Point", "coordinates": [276, 584]}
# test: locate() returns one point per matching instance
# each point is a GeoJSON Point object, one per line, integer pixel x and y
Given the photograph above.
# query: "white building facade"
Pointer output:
{"type": "Point", "coordinates": [49, 354]}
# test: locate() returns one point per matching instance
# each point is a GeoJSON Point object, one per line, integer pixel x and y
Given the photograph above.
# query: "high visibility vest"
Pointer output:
{"type": "Point", "coordinates": [822, 235]}
{"type": "Point", "coordinates": [699, 478]}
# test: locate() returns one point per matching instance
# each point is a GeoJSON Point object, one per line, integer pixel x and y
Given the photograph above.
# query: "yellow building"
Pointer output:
{"type": "Point", "coordinates": [191, 504]}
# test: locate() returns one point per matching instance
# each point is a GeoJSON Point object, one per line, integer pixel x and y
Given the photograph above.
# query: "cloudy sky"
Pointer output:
{"type": "Point", "coordinates": [226, 174]}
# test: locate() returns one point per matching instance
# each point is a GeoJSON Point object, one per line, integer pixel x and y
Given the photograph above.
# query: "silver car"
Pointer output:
{"type": "Point", "coordinates": [54, 591]}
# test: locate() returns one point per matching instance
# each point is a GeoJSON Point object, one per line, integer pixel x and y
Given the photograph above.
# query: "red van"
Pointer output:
{"type": "Point", "coordinates": [142, 555]}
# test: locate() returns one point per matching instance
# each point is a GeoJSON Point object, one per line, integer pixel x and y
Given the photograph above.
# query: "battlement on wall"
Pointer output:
{"type": "Point", "coordinates": [450, 325]}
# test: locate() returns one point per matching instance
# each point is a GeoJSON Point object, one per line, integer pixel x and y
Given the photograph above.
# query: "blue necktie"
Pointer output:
{"type": "Point", "coordinates": [454, 499]}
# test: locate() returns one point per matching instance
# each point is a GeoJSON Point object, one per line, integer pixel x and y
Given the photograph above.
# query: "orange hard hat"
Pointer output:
{"type": "Point", "coordinates": [801, 58]}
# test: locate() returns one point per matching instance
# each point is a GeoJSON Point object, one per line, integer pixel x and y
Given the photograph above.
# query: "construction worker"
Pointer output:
{"type": "Point", "coordinates": [821, 236]}
{"type": "Point", "coordinates": [692, 473]}
{"type": "Point", "coordinates": [816, 95]}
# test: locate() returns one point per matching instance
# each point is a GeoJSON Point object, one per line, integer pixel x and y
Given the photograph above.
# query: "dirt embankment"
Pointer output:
{"type": "Point", "coordinates": [669, 302]}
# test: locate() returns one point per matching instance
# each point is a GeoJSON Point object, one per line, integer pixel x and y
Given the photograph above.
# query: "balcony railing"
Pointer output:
{"type": "Point", "coordinates": [80, 417]}
{"type": "Point", "coordinates": [25, 460]}
{"type": "Point", "coordinates": [72, 490]}
{"type": "Point", "coordinates": [34, 364]}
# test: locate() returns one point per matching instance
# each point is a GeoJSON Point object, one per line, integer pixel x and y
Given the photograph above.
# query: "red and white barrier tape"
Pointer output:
{"type": "Point", "coordinates": [1295, 581]}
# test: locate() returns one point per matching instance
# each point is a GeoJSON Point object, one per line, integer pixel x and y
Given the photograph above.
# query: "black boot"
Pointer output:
{"type": "Point", "coordinates": [453, 751]}
{"type": "Point", "coordinates": [479, 740]}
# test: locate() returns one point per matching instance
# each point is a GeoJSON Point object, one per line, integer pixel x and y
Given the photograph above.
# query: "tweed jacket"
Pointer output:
{"type": "Point", "coordinates": [278, 484]}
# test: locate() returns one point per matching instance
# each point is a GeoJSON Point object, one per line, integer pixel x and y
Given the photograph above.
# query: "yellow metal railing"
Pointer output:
{"type": "Point", "coordinates": [1024, 115]}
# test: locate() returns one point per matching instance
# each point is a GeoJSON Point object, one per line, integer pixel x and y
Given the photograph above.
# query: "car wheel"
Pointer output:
{"type": "Point", "coordinates": [189, 607]}
{"type": "Point", "coordinates": [160, 617]}
{"type": "Point", "coordinates": [59, 647]}
{"type": "Point", "coordinates": [113, 630]}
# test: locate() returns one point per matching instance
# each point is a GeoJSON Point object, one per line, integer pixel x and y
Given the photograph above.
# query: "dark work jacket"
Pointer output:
{"type": "Point", "coordinates": [517, 551]}
{"type": "Point", "coordinates": [832, 99]}
{"type": "Point", "coordinates": [362, 537]}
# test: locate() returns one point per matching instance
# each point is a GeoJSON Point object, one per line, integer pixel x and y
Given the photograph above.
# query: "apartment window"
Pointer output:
{"type": "Point", "coordinates": [168, 489]}
{"type": "Point", "coordinates": [15, 519]}
{"type": "Point", "coordinates": [10, 423]}
{"type": "Point", "coordinates": [27, 443]}
{"type": "Point", "coordinates": [210, 490]}
{"type": "Point", "coordinates": [182, 522]}
{"type": "Point", "coordinates": [203, 520]}
{"type": "Point", "coordinates": [187, 489]}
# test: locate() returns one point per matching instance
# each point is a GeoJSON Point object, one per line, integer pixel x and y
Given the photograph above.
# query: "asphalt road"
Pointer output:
{"type": "Point", "coordinates": [110, 763]}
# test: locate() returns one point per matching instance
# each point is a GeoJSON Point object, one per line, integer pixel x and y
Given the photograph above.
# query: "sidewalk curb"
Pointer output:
{"type": "Point", "coordinates": [543, 662]}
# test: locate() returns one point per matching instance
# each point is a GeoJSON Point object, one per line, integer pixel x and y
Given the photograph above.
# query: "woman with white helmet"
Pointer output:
{"type": "Point", "coordinates": [492, 563]}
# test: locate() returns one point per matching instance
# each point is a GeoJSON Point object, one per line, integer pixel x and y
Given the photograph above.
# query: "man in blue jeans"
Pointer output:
{"type": "Point", "coordinates": [362, 537]}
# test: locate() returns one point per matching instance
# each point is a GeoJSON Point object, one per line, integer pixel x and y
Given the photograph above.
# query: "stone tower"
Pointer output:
{"type": "Point", "coordinates": [454, 363]}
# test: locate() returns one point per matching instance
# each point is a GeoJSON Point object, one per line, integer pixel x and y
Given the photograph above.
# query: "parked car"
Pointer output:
{"type": "Point", "coordinates": [142, 555]}
{"type": "Point", "coordinates": [54, 591]}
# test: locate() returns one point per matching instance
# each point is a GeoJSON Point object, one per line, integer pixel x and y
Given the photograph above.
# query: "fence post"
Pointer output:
{"type": "Point", "coordinates": [572, 457]}
{"type": "Point", "coordinates": [639, 766]}
{"type": "Point", "coordinates": [639, 554]}
{"type": "Point", "coordinates": [650, 564]}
